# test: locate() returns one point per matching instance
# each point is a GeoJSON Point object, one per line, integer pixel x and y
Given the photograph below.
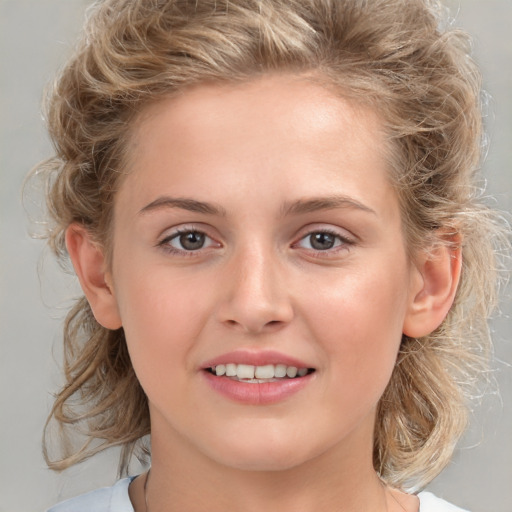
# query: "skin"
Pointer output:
{"type": "Point", "coordinates": [252, 151]}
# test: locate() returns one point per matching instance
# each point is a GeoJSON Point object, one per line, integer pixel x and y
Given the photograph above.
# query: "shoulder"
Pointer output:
{"type": "Point", "coordinates": [431, 503]}
{"type": "Point", "coordinates": [107, 499]}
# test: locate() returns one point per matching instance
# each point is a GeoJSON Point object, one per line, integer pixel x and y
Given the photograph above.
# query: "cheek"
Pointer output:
{"type": "Point", "coordinates": [161, 318]}
{"type": "Point", "coordinates": [358, 321]}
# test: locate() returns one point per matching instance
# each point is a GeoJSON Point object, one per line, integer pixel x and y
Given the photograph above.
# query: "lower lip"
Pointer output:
{"type": "Point", "coordinates": [255, 393]}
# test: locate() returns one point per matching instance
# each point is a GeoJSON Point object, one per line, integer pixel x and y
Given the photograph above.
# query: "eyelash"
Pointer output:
{"type": "Point", "coordinates": [165, 242]}
{"type": "Point", "coordinates": [344, 242]}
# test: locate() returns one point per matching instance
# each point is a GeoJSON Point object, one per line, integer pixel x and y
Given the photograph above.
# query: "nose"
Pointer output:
{"type": "Point", "coordinates": [256, 298]}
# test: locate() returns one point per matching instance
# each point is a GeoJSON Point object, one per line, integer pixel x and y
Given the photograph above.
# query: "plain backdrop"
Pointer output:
{"type": "Point", "coordinates": [35, 38]}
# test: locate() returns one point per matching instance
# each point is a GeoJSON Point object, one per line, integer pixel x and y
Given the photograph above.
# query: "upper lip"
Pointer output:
{"type": "Point", "coordinates": [255, 358]}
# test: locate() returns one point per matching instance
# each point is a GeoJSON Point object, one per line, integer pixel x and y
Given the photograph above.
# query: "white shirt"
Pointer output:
{"type": "Point", "coordinates": [116, 499]}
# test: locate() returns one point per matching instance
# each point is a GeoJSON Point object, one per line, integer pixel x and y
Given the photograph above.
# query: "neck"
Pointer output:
{"type": "Point", "coordinates": [341, 479]}
{"type": "Point", "coordinates": [250, 491]}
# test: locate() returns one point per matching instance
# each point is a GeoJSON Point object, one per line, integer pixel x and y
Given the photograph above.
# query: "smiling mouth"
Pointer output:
{"type": "Point", "coordinates": [258, 374]}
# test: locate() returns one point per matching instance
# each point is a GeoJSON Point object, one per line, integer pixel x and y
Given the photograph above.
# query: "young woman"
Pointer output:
{"type": "Point", "coordinates": [287, 274]}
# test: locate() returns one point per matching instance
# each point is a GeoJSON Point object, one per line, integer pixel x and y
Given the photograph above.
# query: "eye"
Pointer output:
{"type": "Point", "coordinates": [191, 241]}
{"type": "Point", "coordinates": [187, 241]}
{"type": "Point", "coordinates": [323, 241]}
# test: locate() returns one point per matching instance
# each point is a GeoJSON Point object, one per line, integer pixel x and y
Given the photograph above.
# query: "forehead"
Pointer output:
{"type": "Point", "coordinates": [277, 102]}
{"type": "Point", "coordinates": [287, 132]}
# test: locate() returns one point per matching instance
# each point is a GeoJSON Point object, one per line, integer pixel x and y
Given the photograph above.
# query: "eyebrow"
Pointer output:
{"type": "Point", "coordinates": [192, 205]}
{"type": "Point", "coordinates": [314, 204]}
{"type": "Point", "coordinates": [301, 206]}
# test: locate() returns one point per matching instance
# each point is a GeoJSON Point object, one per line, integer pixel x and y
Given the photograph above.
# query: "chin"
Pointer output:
{"type": "Point", "coordinates": [264, 455]}
{"type": "Point", "coordinates": [261, 463]}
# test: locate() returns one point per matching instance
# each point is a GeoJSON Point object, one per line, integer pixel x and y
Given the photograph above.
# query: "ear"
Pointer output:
{"type": "Point", "coordinates": [89, 264]}
{"type": "Point", "coordinates": [433, 289]}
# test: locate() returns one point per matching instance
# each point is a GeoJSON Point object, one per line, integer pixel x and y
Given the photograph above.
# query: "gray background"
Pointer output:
{"type": "Point", "coordinates": [35, 38]}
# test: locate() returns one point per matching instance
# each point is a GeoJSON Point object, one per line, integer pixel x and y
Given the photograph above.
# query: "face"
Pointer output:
{"type": "Point", "coordinates": [256, 235]}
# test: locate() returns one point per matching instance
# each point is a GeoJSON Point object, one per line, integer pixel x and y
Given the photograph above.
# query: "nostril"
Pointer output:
{"type": "Point", "coordinates": [263, 326]}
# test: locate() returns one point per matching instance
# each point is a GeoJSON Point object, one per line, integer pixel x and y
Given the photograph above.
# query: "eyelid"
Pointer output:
{"type": "Point", "coordinates": [174, 232]}
{"type": "Point", "coordinates": [347, 239]}
{"type": "Point", "coordinates": [320, 227]}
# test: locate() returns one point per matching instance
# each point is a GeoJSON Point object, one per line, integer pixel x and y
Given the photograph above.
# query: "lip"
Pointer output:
{"type": "Point", "coordinates": [253, 393]}
{"type": "Point", "coordinates": [255, 358]}
{"type": "Point", "coordinates": [264, 393]}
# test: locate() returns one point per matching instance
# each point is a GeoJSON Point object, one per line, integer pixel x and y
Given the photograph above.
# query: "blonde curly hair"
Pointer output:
{"type": "Point", "coordinates": [391, 55]}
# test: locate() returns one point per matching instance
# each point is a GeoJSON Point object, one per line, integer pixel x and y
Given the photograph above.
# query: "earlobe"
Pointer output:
{"type": "Point", "coordinates": [89, 263]}
{"type": "Point", "coordinates": [433, 289]}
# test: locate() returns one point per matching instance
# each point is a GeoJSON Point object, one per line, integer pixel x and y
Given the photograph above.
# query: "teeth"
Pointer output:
{"type": "Point", "coordinates": [264, 372]}
{"type": "Point", "coordinates": [280, 370]}
{"type": "Point", "coordinates": [245, 371]}
{"type": "Point", "coordinates": [231, 370]}
{"type": "Point", "coordinates": [291, 372]}
{"type": "Point", "coordinates": [268, 371]}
